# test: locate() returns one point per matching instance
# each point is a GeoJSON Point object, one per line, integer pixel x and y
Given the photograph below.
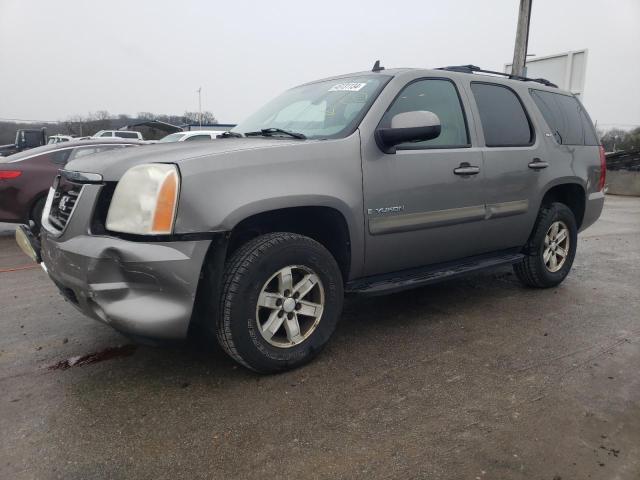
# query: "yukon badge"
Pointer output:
{"type": "Point", "coordinates": [394, 209]}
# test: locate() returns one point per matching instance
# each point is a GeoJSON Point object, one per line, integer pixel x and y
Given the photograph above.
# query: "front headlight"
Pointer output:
{"type": "Point", "coordinates": [145, 200]}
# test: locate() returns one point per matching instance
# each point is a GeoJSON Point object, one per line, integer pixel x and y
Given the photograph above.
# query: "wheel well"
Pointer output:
{"type": "Point", "coordinates": [32, 207]}
{"type": "Point", "coordinates": [572, 195]}
{"type": "Point", "coordinates": [325, 225]}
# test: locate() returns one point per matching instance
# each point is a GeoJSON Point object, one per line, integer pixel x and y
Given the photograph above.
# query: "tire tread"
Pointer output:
{"type": "Point", "coordinates": [529, 270]}
{"type": "Point", "coordinates": [238, 265]}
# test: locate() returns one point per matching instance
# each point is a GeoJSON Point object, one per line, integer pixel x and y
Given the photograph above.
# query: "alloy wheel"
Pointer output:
{"type": "Point", "coordinates": [290, 306]}
{"type": "Point", "coordinates": [556, 246]}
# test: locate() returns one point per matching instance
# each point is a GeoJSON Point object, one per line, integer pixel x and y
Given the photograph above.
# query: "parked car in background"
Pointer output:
{"type": "Point", "coordinates": [26, 138]}
{"type": "Point", "coordinates": [192, 136]}
{"type": "Point", "coordinates": [59, 139]}
{"type": "Point", "coordinates": [118, 134]}
{"type": "Point", "coordinates": [25, 178]}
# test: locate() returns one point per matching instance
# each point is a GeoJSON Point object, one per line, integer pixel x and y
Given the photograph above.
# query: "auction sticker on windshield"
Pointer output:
{"type": "Point", "coordinates": [348, 87]}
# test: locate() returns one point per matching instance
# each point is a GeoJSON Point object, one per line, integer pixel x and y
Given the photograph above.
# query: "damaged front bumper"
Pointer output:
{"type": "Point", "coordinates": [144, 289]}
{"type": "Point", "coordinates": [141, 289]}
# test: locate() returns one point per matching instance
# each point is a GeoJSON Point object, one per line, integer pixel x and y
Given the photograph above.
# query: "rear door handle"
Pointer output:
{"type": "Point", "coordinates": [466, 169]}
{"type": "Point", "coordinates": [538, 164]}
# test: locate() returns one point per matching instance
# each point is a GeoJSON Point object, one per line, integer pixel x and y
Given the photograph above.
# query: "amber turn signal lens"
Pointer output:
{"type": "Point", "coordinates": [166, 204]}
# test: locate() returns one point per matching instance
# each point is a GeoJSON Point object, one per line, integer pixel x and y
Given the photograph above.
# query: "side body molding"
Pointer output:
{"type": "Point", "coordinates": [394, 223]}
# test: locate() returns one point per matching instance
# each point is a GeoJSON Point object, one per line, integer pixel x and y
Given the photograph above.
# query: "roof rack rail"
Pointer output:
{"type": "Point", "coordinates": [474, 69]}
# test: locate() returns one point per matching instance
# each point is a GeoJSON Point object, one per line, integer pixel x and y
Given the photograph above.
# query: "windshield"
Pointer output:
{"type": "Point", "coordinates": [328, 109]}
{"type": "Point", "coordinates": [173, 137]}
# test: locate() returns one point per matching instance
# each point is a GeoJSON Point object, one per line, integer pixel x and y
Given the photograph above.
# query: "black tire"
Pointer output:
{"type": "Point", "coordinates": [36, 212]}
{"type": "Point", "coordinates": [532, 270]}
{"type": "Point", "coordinates": [246, 272]}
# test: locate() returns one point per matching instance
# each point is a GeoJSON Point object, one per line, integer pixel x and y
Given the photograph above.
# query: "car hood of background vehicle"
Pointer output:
{"type": "Point", "coordinates": [114, 163]}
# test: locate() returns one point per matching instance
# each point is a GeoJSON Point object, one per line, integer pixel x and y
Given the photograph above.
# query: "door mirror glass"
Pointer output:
{"type": "Point", "coordinates": [415, 126]}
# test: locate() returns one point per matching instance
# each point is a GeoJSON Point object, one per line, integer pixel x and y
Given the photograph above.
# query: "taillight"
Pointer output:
{"type": "Point", "coordinates": [603, 169]}
{"type": "Point", "coordinates": [7, 174]}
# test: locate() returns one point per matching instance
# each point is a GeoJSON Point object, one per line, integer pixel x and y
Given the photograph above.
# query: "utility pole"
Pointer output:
{"type": "Point", "coordinates": [200, 106]}
{"type": "Point", "coordinates": [522, 38]}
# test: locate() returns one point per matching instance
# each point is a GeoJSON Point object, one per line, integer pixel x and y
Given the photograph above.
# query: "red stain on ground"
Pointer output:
{"type": "Point", "coordinates": [18, 268]}
{"type": "Point", "coordinates": [106, 354]}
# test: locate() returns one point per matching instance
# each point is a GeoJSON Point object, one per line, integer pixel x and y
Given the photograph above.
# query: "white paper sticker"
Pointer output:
{"type": "Point", "coordinates": [347, 87]}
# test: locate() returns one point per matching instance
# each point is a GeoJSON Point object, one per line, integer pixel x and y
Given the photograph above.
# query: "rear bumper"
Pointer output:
{"type": "Point", "coordinates": [142, 289]}
{"type": "Point", "coordinates": [592, 209]}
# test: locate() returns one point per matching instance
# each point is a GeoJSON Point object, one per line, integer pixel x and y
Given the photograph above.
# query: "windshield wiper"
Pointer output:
{"type": "Point", "coordinates": [267, 132]}
{"type": "Point", "coordinates": [229, 134]}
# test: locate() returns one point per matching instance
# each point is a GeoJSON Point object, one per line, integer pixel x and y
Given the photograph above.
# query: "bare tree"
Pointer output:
{"type": "Point", "coordinates": [194, 117]}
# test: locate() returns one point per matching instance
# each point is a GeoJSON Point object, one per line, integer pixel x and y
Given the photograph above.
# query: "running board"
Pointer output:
{"type": "Point", "coordinates": [417, 277]}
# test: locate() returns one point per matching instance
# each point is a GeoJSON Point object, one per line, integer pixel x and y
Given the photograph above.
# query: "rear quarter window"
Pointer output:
{"type": "Point", "coordinates": [566, 117]}
{"type": "Point", "coordinates": [504, 120]}
{"type": "Point", "coordinates": [60, 156]}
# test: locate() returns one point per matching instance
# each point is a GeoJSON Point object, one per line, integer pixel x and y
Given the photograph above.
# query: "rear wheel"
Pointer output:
{"type": "Point", "coordinates": [551, 248]}
{"type": "Point", "coordinates": [282, 297]}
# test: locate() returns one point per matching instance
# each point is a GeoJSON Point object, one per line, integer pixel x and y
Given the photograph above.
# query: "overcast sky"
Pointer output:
{"type": "Point", "coordinates": [68, 57]}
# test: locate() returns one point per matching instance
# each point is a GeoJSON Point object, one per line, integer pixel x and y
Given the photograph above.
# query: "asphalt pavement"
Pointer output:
{"type": "Point", "coordinates": [476, 378]}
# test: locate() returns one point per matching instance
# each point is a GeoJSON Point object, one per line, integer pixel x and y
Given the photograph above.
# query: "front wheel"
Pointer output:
{"type": "Point", "coordinates": [282, 297]}
{"type": "Point", "coordinates": [551, 248]}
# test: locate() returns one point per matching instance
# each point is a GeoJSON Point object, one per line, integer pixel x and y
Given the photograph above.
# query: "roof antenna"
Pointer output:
{"type": "Point", "coordinates": [377, 67]}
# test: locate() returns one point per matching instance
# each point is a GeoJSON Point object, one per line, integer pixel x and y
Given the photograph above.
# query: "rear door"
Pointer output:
{"type": "Point", "coordinates": [570, 137]}
{"type": "Point", "coordinates": [514, 164]}
{"type": "Point", "coordinates": [419, 206]}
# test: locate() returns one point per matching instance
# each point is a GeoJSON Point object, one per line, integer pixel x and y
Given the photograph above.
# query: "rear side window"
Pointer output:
{"type": "Point", "coordinates": [126, 134]}
{"type": "Point", "coordinates": [566, 118]}
{"type": "Point", "coordinates": [440, 97]}
{"type": "Point", "coordinates": [196, 138]}
{"type": "Point", "coordinates": [504, 121]}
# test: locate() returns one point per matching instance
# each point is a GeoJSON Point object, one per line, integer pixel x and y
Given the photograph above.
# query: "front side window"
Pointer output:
{"type": "Point", "coordinates": [106, 134]}
{"type": "Point", "coordinates": [326, 109]}
{"type": "Point", "coordinates": [504, 121]}
{"type": "Point", "coordinates": [567, 119]}
{"type": "Point", "coordinates": [440, 97]}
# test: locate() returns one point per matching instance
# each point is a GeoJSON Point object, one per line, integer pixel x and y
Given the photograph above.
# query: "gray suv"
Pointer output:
{"type": "Point", "coordinates": [366, 183]}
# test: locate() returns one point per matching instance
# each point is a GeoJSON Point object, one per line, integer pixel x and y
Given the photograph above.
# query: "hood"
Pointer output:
{"type": "Point", "coordinates": [112, 164]}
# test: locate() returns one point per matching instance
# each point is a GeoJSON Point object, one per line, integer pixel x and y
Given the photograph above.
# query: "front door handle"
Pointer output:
{"type": "Point", "coordinates": [466, 169]}
{"type": "Point", "coordinates": [538, 164]}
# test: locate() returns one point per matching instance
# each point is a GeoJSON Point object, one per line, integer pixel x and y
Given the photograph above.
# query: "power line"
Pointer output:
{"type": "Point", "coordinates": [27, 120]}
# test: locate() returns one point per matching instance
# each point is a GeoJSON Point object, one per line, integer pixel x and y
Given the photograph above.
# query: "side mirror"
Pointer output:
{"type": "Point", "coordinates": [415, 126]}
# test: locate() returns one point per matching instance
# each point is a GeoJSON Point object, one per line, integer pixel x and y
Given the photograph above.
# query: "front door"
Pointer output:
{"type": "Point", "coordinates": [425, 203]}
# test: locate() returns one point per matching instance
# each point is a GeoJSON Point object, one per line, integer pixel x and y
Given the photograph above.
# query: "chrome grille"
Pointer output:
{"type": "Point", "coordinates": [63, 202]}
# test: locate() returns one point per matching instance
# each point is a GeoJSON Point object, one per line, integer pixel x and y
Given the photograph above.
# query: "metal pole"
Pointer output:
{"type": "Point", "coordinates": [522, 38]}
{"type": "Point", "coordinates": [200, 106]}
